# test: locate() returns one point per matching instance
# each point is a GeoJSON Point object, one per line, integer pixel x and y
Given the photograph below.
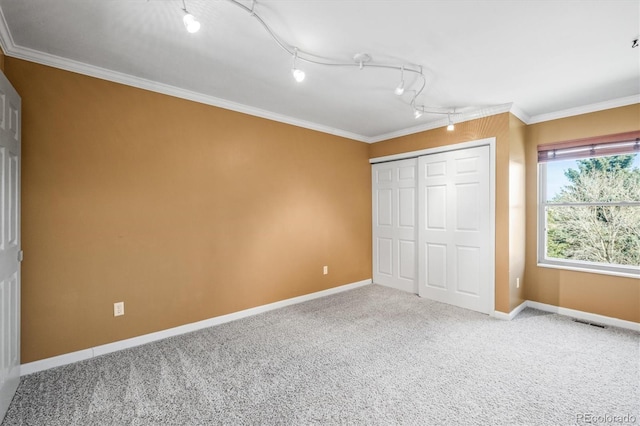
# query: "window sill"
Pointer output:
{"type": "Point", "coordinates": [589, 270]}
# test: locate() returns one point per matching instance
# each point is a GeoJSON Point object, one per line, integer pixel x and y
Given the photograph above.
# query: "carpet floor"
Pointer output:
{"type": "Point", "coordinates": [370, 356]}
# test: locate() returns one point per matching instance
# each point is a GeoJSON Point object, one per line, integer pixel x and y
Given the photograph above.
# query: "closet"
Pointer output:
{"type": "Point", "coordinates": [434, 224]}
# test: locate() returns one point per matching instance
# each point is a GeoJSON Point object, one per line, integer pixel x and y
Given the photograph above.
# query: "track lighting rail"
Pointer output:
{"type": "Point", "coordinates": [361, 60]}
{"type": "Point", "coordinates": [310, 57]}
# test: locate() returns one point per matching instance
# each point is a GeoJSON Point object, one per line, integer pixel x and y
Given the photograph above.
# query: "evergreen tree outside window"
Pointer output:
{"type": "Point", "coordinates": [589, 205]}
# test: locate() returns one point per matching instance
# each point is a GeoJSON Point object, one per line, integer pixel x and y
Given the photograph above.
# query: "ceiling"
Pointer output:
{"type": "Point", "coordinates": [539, 59]}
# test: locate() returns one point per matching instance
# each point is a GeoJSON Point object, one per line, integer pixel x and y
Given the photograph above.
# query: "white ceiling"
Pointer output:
{"type": "Point", "coordinates": [539, 59]}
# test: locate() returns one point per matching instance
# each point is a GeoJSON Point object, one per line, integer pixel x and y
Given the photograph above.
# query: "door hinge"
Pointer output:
{"type": "Point", "coordinates": [20, 255]}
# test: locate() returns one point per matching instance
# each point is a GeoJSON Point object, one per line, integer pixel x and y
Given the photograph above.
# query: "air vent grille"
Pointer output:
{"type": "Point", "coordinates": [590, 323]}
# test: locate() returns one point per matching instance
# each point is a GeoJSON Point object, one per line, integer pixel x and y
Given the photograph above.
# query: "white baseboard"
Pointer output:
{"type": "Point", "coordinates": [511, 315]}
{"type": "Point", "coordinates": [586, 316]}
{"type": "Point", "coordinates": [57, 361]}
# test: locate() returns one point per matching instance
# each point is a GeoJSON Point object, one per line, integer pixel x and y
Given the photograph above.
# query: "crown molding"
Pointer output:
{"type": "Point", "coordinates": [6, 39]}
{"type": "Point", "coordinates": [585, 109]}
{"type": "Point", "coordinates": [520, 114]}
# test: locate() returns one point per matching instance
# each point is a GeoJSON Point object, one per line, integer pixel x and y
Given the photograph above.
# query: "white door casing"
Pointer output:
{"type": "Point", "coordinates": [455, 232]}
{"type": "Point", "coordinates": [10, 243]}
{"type": "Point", "coordinates": [394, 224]}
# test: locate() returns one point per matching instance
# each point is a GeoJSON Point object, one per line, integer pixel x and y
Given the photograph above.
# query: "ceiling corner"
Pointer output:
{"type": "Point", "coordinates": [520, 114]}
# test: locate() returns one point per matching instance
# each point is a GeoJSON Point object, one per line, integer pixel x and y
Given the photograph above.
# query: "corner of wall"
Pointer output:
{"type": "Point", "coordinates": [517, 210]}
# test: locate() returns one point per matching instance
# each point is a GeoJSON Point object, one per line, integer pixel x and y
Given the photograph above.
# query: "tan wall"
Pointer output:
{"type": "Point", "coordinates": [517, 219]}
{"type": "Point", "coordinates": [495, 126]}
{"type": "Point", "coordinates": [601, 294]}
{"type": "Point", "coordinates": [181, 210]}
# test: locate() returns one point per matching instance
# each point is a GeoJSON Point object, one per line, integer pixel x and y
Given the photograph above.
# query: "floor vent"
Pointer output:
{"type": "Point", "coordinates": [590, 323]}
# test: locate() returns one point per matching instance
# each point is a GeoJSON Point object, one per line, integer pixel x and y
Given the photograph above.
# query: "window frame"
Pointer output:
{"type": "Point", "coordinates": [631, 271]}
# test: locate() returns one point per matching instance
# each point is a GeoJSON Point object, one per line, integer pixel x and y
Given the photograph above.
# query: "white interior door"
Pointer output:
{"type": "Point", "coordinates": [394, 224]}
{"type": "Point", "coordinates": [10, 107]}
{"type": "Point", "coordinates": [455, 260]}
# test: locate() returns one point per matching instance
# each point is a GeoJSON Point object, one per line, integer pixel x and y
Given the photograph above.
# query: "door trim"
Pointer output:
{"type": "Point", "coordinates": [453, 147]}
{"type": "Point", "coordinates": [491, 142]}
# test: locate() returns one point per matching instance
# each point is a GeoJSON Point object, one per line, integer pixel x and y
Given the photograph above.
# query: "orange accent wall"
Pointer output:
{"type": "Point", "coordinates": [494, 126]}
{"type": "Point", "coordinates": [183, 211]}
{"type": "Point", "coordinates": [601, 294]}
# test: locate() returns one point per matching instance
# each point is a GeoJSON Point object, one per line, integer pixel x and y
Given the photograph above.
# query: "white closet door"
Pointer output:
{"type": "Point", "coordinates": [455, 261]}
{"type": "Point", "coordinates": [394, 224]}
{"type": "Point", "coordinates": [9, 243]}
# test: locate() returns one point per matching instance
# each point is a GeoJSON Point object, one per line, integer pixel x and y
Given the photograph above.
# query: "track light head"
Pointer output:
{"type": "Point", "coordinates": [400, 89]}
{"type": "Point", "coordinates": [450, 126]}
{"type": "Point", "coordinates": [190, 22]}
{"type": "Point", "coordinates": [298, 75]}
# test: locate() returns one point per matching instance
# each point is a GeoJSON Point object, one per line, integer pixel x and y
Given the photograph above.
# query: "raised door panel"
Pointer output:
{"type": "Point", "coordinates": [384, 207]}
{"type": "Point", "coordinates": [407, 259]}
{"type": "Point", "coordinates": [468, 270]}
{"type": "Point", "coordinates": [436, 266]}
{"type": "Point", "coordinates": [384, 258]}
{"type": "Point", "coordinates": [407, 208]}
{"type": "Point", "coordinates": [436, 207]}
{"type": "Point", "coordinates": [13, 200]}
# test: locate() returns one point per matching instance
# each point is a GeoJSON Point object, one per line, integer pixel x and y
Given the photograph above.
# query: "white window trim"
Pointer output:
{"type": "Point", "coordinates": [571, 265]}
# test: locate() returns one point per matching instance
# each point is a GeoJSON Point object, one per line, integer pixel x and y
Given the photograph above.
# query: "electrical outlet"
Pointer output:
{"type": "Point", "coordinates": [118, 309]}
{"type": "Point", "coordinates": [325, 270]}
{"type": "Point", "coordinates": [518, 282]}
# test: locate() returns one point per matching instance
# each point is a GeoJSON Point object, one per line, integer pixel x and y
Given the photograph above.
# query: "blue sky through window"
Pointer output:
{"type": "Point", "coordinates": [556, 178]}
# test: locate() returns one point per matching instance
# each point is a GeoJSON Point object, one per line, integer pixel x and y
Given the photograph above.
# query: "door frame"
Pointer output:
{"type": "Point", "coordinates": [491, 142]}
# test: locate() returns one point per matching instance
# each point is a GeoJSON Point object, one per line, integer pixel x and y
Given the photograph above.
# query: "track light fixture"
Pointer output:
{"type": "Point", "coordinates": [190, 22]}
{"type": "Point", "coordinates": [450, 126]}
{"type": "Point", "coordinates": [419, 110]}
{"type": "Point", "coordinates": [298, 74]}
{"type": "Point", "coordinates": [400, 89]}
{"type": "Point", "coordinates": [361, 60]}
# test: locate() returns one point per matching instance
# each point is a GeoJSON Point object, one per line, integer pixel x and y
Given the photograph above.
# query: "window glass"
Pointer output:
{"type": "Point", "coordinates": [590, 211]}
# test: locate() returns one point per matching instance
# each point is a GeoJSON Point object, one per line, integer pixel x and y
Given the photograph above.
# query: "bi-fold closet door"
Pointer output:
{"type": "Point", "coordinates": [432, 227]}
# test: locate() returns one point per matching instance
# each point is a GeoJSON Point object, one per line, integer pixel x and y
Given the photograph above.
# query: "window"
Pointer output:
{"type": "Point", "coordinates": [589, 204]}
